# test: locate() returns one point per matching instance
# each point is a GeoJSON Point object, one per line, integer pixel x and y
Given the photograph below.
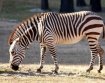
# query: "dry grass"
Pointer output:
{"type": "Point", "coordinates": [67, 74]}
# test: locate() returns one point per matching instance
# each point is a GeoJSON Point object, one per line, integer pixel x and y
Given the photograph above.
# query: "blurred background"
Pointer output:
{"type": "Point", "coordinates": [14, 11]}
{"type": "Point", "coordinates": [20, 9]}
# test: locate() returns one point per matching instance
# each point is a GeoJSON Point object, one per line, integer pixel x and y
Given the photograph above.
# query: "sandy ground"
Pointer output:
{"type": "Point", "coordinates": [67, 54]}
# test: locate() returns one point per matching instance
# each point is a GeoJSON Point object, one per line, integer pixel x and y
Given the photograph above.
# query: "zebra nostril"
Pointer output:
{"type": "Point", "coordinates": [14, 67]}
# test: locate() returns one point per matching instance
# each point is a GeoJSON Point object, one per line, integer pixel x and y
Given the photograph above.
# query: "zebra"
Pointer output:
{"type": "Point", "coordinates": [51, 29]}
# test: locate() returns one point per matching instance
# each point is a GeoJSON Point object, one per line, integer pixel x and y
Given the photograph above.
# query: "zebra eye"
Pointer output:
{"type": "Point", "coordinates": [13, 53]}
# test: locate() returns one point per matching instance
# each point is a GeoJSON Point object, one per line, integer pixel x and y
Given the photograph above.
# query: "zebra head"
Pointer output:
{"type": "Point", "coordinates": [17, 53]}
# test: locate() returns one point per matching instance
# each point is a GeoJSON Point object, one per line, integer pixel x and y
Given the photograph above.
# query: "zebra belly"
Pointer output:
{"type": "Point", "coordinates": [69, 40]}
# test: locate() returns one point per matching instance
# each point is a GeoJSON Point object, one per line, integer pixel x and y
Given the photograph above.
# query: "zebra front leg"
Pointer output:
{"type": "Point", "coordinates": [100, 52]}
{"type": "Point", "coordinates": [42, 54]}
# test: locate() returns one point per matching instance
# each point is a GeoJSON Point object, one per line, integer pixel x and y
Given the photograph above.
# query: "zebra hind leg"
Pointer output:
{"type": "Point", "coordinates": [93, 49]}
{"type": "Point", "coordinates": [100, 52]}
{"type": "Point", "coordinates": [93, 56]}
{"type": "Point", "coordinates": [53, 53]}
{"type": "Point", "coordinates": [42, 54]}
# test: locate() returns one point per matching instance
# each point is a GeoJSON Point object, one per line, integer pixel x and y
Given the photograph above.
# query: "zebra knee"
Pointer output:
{"type": "Point", "coordinates": [100, 51]}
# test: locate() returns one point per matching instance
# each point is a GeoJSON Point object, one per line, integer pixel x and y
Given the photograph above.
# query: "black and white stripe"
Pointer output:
{"type": "Point", "coordinates": [51, 29]}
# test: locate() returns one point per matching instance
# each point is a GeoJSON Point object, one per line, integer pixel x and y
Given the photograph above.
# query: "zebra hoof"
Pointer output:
{"type": "Point", "coordinates": [99, 71]}
{"type": "Point", "coordinates": [88, 71]}
{"type": "Point", "coordinates": [55, 72]}
{"type": "Point", "coordinates": [38, 71]}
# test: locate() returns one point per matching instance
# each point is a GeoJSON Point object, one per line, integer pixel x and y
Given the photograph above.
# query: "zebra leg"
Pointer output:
{"type": "Point", "coordinates": [100, 52]}
{"type": "Point", "coordinates": [93, 46]}
{"type": "Point", "coordinates": [53, 53]}
{"type": "Point", "coordinates": [93, 56]}
{"type": "Point", "coordinates": [42, 54]}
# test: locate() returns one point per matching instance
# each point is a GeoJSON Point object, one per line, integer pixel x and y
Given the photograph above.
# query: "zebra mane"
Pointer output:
{"type": "Point", "coordinates": [10, 39]}
{"type": "Point", "coordinates": [23, 24]}
{"type": "Point", "coordinates": [13, 35]}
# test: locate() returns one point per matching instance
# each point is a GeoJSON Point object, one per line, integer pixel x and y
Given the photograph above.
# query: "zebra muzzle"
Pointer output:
{"type": "Point", "coordinates": [14, 67]}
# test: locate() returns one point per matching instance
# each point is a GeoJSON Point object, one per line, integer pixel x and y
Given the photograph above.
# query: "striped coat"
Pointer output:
{"type": "Point", "coordinates": [50, 29]}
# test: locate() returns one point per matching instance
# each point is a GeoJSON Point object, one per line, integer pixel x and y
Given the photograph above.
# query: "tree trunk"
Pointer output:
{"type": "Point", "coordinates": [67, 6]}
{"type": "Point", "coordinates": [44, 5]}
{"type": "Point", "coordinates": [1, 4]}
{"type": "Point", "coordinates": [81, 3]}
{"type": "Point", "coordinates": [96, 5]}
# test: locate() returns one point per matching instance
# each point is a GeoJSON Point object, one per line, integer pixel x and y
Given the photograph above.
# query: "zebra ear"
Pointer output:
{"type": "Point", "coordinates": [17, 40]}
{"type": "Point", "coordinates": [10, 41]}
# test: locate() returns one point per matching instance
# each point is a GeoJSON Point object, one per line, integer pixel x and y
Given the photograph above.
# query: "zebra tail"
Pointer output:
{"type": "Point", "coordinates": [103, 32]}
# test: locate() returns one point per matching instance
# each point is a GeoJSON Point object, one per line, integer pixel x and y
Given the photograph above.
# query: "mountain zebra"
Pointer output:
{"type": "Point", "coordinates": [50, 29]}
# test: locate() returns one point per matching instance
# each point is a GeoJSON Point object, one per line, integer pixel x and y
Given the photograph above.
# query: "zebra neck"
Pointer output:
{"type": "Point", "coordinates": [29, 36]}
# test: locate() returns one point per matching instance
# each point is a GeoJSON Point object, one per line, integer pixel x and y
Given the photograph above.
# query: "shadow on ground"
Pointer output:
{"type": "Point", "coordinates": [45, 74]}
{"type": "Point", "coordinates": [34, 73]}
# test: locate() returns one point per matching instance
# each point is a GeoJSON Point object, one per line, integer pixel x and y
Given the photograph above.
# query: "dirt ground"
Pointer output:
{"type": "Point", "coordinates": [67, 54]}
